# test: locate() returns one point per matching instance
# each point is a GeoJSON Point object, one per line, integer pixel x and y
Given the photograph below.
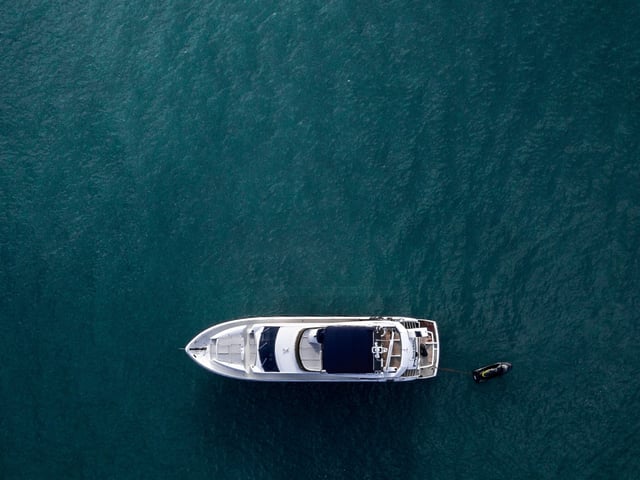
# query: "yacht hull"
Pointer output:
{"type": "Point", "coordinates": [319, 349]}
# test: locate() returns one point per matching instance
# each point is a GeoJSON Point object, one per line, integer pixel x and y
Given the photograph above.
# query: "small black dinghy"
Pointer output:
{"type": "Point", "coordinates": [488, 372]}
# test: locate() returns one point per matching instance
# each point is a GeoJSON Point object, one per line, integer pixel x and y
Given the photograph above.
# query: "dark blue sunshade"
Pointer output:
{"type": "Point", "coordinates": [348, 350]}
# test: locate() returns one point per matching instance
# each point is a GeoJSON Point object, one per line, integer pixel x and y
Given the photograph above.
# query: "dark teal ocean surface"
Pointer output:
{"type": "Point", "coordinates": [168, 165]}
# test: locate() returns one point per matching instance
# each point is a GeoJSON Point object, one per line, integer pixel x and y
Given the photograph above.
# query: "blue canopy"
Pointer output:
{"type": "Point", "coordinates": [348, 350]}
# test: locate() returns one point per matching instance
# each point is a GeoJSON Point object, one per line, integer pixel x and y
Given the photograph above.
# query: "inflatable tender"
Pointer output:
{"type": "Point", "coordinates": [488, 372]}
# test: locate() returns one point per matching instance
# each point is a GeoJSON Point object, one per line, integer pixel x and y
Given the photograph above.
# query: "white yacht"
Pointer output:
{"type": "Point", "coordinates": [320, 349]}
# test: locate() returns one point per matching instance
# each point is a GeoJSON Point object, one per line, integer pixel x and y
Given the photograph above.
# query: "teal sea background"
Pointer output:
{"type": "Point", "coordinates": [169, 165]}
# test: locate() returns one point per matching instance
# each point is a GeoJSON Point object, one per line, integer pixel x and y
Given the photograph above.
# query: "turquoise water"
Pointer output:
{"type": "Point", "coordinates": [165, 166]}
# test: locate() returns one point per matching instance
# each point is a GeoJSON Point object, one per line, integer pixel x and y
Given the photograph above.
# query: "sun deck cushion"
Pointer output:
{"type": "Point", "coordinates": [348, 350]}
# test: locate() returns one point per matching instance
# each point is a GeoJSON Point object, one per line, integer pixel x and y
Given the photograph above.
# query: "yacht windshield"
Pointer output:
{"type": "Point", "coordinates": [267, 349]}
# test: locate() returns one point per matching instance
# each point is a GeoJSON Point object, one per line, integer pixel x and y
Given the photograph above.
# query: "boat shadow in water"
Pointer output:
{"type": "Point", "coordinates": [322, 430]}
